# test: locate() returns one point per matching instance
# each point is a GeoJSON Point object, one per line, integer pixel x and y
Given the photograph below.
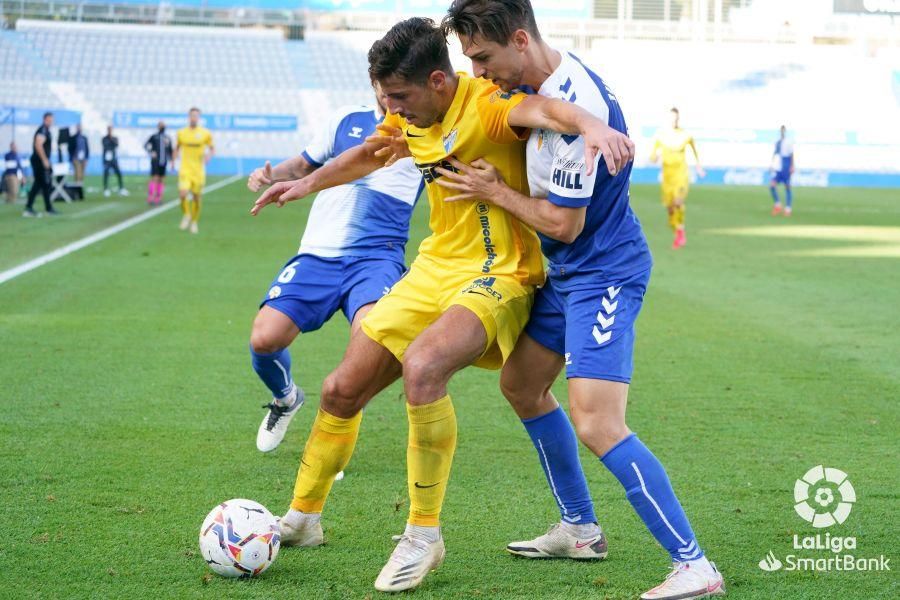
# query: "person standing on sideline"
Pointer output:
{"type": "Point", "coordinates": [79, 152]}
{"type": "Point", "coordinates": [40, 166]}
{"type": "Point", "coordinates": [12, 173]}
{"type": "Point", "coordinates": [159, 147]}
{"type": "Point", "coordinates": [111, 162]}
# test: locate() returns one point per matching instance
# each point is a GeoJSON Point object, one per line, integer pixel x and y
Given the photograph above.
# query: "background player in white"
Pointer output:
{"type": "Point", "coordinates": [584, 316]}
{"type": "Point", "coordinates": [782, 169]}
{"type": "Point", "coordinates": [351, 253]}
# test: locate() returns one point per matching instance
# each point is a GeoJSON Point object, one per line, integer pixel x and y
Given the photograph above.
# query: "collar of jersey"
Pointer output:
{"type": "Point", "coordinates": [462, 89]}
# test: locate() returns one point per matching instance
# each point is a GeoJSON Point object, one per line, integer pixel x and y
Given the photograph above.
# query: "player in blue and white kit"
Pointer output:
{"type": "Point", "coordinates": [782, 169]}
{"type": "Point", "coordinates": [584, 316]}
{"type": "Point", "coordinates": [351, 253]}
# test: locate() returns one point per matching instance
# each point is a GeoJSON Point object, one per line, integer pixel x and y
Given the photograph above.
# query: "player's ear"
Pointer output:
{"type": "Point", "coordinates": [437, 79]}
{"type": "Point", "coordinates": [520, 40]}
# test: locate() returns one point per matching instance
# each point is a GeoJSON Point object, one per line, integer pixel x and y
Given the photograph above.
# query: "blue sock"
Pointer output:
{"type": "Point", "coordinates": [275, 371]}
{"type": "Point", "coordinates": [557, 447]}
{"type": "Point", "coordinates": [648, 489]}
{"type": "Point", "coordinates": [790, 196]}
{"type": "Point", "coordinates": [774, 191]}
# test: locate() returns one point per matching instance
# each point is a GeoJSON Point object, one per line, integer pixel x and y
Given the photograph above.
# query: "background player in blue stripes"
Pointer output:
{"type": "Point", "coordinates": [782, 169]}
{"type": "Point", "coordinates": [584, 316]}
{"type": "Point", "coordinates": [351, 253]}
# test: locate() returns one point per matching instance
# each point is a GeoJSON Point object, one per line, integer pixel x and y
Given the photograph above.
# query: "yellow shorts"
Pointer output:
{"type": "Point", "coordinates": [674, 186]}
{"type": "Point", "coordinates": [191, 181]}
{"type": "Point", "coordinates": [502, 303]}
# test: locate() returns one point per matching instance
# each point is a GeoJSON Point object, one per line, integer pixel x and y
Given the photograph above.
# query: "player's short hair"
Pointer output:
{"type": "Point", "coordinates": [675, 110]}
{"type": "Point", "coordinates": [193, 108]}
{"type": "Point", "coordinates": [493, 20]}
{"type": "Point", "coordinates": [48, 114]}
{"type": "Point", "coordinates": [412, 50]}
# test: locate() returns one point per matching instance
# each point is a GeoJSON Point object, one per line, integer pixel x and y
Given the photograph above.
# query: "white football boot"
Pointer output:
{"type": "Point", "coordinates": [274, 425]}
{"type": "Point", "coordinates": [410, 562]}
{"type": "Point", "coordinates": [194, 227]}
{"type": "Point", "coordinates": [692, 579]}
{"type": "Point", "coordinates": [185, 222]}
{"type": "Point", "coordinates": [561, 542]}
{"type": "Point", "coordinates": [301, 529]}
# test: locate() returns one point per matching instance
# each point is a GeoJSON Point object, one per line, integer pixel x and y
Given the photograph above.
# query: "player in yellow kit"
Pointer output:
{"type": "Point", "coordinates": [672, 143]}
{"type": "Point", "coordinates": [194, 144]}
{"type": "Point", "coordinates": [465, 298]}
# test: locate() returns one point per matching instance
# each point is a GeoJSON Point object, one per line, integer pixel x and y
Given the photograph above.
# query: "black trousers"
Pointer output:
{"type": "Point", "coordinates": [114, 167]}
{"type": "Point", "coordinates": [41, 184]}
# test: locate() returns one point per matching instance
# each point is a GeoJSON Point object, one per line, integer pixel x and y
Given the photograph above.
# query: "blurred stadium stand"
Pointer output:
{"type": "Point", "coordinates": [737, 69]}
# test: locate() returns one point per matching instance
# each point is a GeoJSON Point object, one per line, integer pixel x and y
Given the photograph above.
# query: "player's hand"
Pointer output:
{"type": "Point", "coordinates": [478, 180]}
{"type": "Point", "coordinates": [260, 178]}
{"type": "Point", "coordinates": [701, 172]}
{"type": "Point", "coordinates": [615, 147]}
{"type": "Point", "coordinates": [392, 144]}
{"type": "Point", "coordinates": [280, 193]}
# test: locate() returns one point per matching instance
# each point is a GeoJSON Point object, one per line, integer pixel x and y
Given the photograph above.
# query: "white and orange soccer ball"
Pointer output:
{"type": "Point", "coordinates": [239, 538]}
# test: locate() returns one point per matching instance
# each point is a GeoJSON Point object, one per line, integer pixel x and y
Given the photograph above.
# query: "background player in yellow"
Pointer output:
{"type": "Point", "coordinates": [467, 295]}
{"type": "Point", "coordinates": [672, 143]}
{"type": "Point", "coordinates": [194, 144]}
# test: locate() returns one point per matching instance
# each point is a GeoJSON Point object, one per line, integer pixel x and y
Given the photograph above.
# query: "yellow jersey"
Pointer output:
{"type": "Point", "coordinates": [474, 236]}
{"type": "Point", "coordinates": [192, 143]}
{"type": "Point", "coordinates": [673, 143]}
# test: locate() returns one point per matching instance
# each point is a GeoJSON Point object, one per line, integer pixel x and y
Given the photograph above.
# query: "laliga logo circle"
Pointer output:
{"type": "Point", "coordinates": [824, 496]}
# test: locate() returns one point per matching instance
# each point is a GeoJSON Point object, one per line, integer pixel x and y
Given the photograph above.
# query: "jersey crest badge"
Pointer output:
{"type": "Point", "coordinates": [449, 140]}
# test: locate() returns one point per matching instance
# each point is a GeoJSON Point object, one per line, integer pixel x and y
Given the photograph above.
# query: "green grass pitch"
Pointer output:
{"type": "Point", "coordinates": [129, 408]}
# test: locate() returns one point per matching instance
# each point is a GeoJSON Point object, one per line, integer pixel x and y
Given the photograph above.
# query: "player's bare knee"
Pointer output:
{"type": "Point", "coordinates": [525, 400]}
{"type": "Point", "coordinates": [263, 339]}
{"type": "Point", "coordinates": [600, 435]}
{"type": "Point", "coordinates": [423, 377]}
{"type": "Point", "coordinates": [340, 397]}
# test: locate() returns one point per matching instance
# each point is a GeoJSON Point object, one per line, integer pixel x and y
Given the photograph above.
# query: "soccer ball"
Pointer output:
{"type": "Point", "coordinates": [239, 538]}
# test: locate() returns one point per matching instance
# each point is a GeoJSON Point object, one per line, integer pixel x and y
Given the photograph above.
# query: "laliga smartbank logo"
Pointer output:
{"type": "Point", "coordinates": [824, 498]}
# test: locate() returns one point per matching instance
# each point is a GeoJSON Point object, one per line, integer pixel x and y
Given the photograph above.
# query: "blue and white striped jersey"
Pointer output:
{"type": "Point", "coordinates": [612, 244]}
{"type": "Point", "coordinates": [784, 156]}
{"type": "Point", "coordinates": [369, 217]}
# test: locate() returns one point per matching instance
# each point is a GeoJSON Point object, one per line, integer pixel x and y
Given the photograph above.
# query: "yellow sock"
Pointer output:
{"type": "Point", "coordinates": [679, 211]}
{"type": "Point", "coordinates": [673, 218]}
{"type": "Point", "coordinates": [432, 442]}
{"type": "Point", "coordinates": [328, 450]}
{"type": "Point", "coordinates": [195, 210]}
{"type": "Point", "coordinates": [185, 206]}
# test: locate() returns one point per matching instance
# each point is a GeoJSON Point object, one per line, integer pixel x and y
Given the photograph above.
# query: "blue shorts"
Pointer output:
{"type": "Point", "coordinates": [310, 289]}
{"type": "Point", "coordinates": [593, 328]}
{"type": "Point", "coordinates": [782, 177]}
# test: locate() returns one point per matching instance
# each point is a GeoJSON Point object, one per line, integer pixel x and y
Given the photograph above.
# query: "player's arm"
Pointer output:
{"type": "Point", "coordinates": [296, 167]}
{"type": "Point", "coordinates": [349, 166]}
{"type": "Point", "coordinates": [210, 151]}
{"type": "Point", "coordinates": [538, 112]}
{"type": "Point", "coordinates": [654, 154]}
{"type": "Point", "coordinates": [481, 180]}
{"type": "Point", "coordinates": [700, 171]}
{"type": "Point", "coordinates": [39, 148]}
{"type": "Point", "coordinates": [792, 163]}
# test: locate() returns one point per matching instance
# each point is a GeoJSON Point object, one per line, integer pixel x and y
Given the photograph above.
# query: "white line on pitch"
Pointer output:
{"type": "Point", "coordinates": [95, 210]}
{"type": "Point", "coordinates": [102, 235]}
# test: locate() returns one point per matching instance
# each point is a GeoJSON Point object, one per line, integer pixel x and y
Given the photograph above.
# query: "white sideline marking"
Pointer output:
{"type": "Point", "coordinates": [95, 210]}
{"type": "Point", "coordinates": [40, 261]}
